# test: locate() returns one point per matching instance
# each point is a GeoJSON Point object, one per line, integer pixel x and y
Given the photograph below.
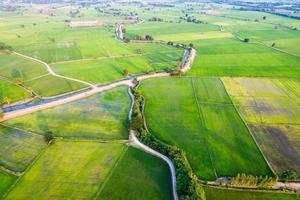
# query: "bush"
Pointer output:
{"type": "Point", "coordinates": [4, 46]}
{"type": "Point", "coordinates": [246, 40]}
{"type": "Point", "coordinates": [289, 175]}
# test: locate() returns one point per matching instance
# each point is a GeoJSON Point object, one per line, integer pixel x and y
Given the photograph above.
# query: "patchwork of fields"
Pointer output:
{"type": "Point", "coordinates": [203, 122]}
{"type": "Point", "coordinates": [271, 109]}
{"type": "Point", "coordinates": [236, 111]}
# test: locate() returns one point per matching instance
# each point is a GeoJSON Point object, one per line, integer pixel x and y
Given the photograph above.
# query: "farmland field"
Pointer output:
{"type": "Point", "coordinates": [271, 109]}
{"type": "Point", "coordinates": [6, 180]}
{"type": "Point", "coordinates": [138, 176]}
{"type": "Point", "coordinates": [34, 76]}
{"type": "Point", "coordinates": [19, 148]}
{"type": "Point", "coordinates": [227, 194]}
{"type": "Point", "coordinates": [102, 116]}
{"type": "Point", "coordinates": [187, 122]}
{"type": "Point", "coordinates": [227, 117]}
{"type": "Point", "coordinates": [12, 92]}
{"type": "Point", "coordinates": [88, 166]}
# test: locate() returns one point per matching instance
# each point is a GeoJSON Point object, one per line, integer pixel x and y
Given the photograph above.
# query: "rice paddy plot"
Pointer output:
{"type": "Point", "coordinates": [41, 85]}
{"type": "Point", "coordinates": [6, 180]}
{"type": "Point", "coordinates": [102, 116]}
{"type": "Point", "coordinates": [203, 122]}
{"type": "Point", "coordinates": [19, 148]}
{"type": "Point", "coordinates": [88, 165]}
{"type": "Point", "coordinates": [10, 92]}
{"type": "Point", "coordinates": [230, 57]}
{"type": "Point", "coordinates": [271, 109]}
{"type": "Point", "coordinates": [138, 176]}
{"type": "Point", "coordinates": [111, 69]}
{"type": "Point", "coordinates": [169, 31]}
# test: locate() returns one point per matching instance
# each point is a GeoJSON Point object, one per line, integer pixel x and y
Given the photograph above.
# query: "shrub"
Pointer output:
{"type": "Point", "coordinates": [246, 40]}
{"type": "Point", "coordinates": [289, 175]}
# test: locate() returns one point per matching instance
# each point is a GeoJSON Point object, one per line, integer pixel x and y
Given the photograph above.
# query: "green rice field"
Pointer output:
{"type": "Point", "coordinates": [198, 122]}
{"type": "Point", "coordinates": [102, 116]}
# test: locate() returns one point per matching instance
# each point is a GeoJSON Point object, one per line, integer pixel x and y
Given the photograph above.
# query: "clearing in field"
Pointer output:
{"type": "Point", "coordinates": [65, 166]}
{"type": "Point", "coordinates": [271, 109]}
{"type": "Point", "coordinates": [204, 123]}
{"type": "Point", "coordinates": [101, 116]}
{"type": "Point", "coordinates": [19, 148]}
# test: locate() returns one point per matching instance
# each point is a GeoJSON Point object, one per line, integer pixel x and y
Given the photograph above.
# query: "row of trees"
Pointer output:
{"type": "Point", "coordinates": [188, 186]}
{"type": "Point", "coordinates": [244, 180]}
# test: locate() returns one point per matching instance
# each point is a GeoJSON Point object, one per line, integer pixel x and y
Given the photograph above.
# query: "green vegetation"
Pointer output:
{"type": "Point", "coordinates": [65, 165]}
{"type": "Point", "coordinates": [187, 184]}
{"type": "Point", "coordinates": [18, 148]}
{"type": "Point", "coordinates": [33, 76]}
{"type": "Point", "coordinates": [203, 122]}
{"type": "Point", "coordinates": [101, 116]}
{"type": "Point", "coordinates": [271, 109]}
{"type": "Point", "coordinates": [138, 176]}
{"type": "Point", "coordinates": [6, 180]}
{"type": "Point", "coordinates": [106, 69]}
{"type": "Point", "coordinates": [230, 57]}
{"type": "Point", "coordinates": [10, 92]}
{"type": "Point", "coordinates": [213, 193]}
{"type": "Point", "coordinates": [243, 180]}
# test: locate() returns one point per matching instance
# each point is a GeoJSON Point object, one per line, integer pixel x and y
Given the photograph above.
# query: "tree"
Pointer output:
{"type": "Point", "coordinates": [273, 45]}
{"type": "Point", "coordinates": [126, 72]}
{"type": "Point", "coordinates": [264, 17]}
{"type": "Point", "coordinates": [148, 37]}
{"type": "Point", "coordinates": [246, 40]}
{"type": "Point", "coordinates": [191, 45]}
{"type": "Point", "coordinates": [289, 175]}
{"type": "Point", "coordinates": [48, 137]}
{"type": "Point", "coordinates": [139, 51]}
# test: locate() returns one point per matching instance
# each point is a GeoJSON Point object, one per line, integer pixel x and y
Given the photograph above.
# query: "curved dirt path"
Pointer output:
{"type": "Point", "coordinates": [134, 142]}
{"type": "Point", "coordinates": [49, 69]}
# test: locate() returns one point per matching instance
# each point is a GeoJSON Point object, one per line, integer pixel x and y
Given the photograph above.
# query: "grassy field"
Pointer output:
{"type": "Point", "coordinates": [35, 77]}
{"type": "Point", "coordinates": [65, 166]}
{"type": "Point", "coordinates": [102, 116]}
{"type": "Point", "coordinates": [102, 70]}
{"type": "Point", "coordinates": [228, 194]}
{"type": "Point", "coordinates": [6, 180]}
{"type": "Point", "coordinates": [204, 123]}
{"type": "Point", "coordinates": [271, 109]}
{"type": "Point", "coordinates": [170, 29]}
{"type": "Point", "coordinates": [138, 176]}
{"type": "Point", "coordinates": [19, 148]}
{"type": "Point", "coordinates": [11, 92]}
{"type": "Point", "coordinates": [230, 57]}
